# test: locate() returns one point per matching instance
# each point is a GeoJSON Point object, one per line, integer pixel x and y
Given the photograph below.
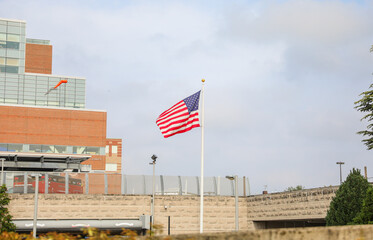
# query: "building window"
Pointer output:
{"type": "Point", "coordinates": [60, 149]}
{"type": "Point", "coordinates": [3, 147]}
{"type": "Point", "coordinates": [93, 150]}
{"type": "Point", "coordinates": [107, 149]}
{"type": "Point", "coordinates": [35, 148]}
{"type": "Point", "coordinates": [114, 149]}
{"type": "Point", "coordinates": [14, 147]}
{"type": "Point", "coordinates": [47, 148]}
{"type": "Point", "coordinates": [79, 150]}
{"type": "Point", "coordinates": [113, 167]}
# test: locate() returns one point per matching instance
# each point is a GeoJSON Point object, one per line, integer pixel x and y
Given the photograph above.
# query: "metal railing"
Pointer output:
{"type": "Point", "coordinates": [106, 183]}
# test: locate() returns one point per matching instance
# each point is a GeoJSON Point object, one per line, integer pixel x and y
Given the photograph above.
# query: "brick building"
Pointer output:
{"type": "Point", "coordinates": [39, 128]}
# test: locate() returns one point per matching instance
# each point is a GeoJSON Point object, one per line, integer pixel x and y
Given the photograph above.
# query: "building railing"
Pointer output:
{"type": "Point", "coordinates": [106, 183]}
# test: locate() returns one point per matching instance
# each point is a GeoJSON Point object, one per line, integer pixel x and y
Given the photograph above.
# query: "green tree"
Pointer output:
{"type": "Point", "coordinates": [348, 199]}
{"type": "Point", "coordinates": [291, 189]}
{"type": "Point", "coordinates": [365, 105]}
{"type": "Point", "coordinates": [6, 224]}
{"type": "Point", "coordinates": [365, 216]}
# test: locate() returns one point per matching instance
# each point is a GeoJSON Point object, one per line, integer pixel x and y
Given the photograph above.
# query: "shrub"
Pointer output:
{"type": "Point", "coordinates": [348, 199]}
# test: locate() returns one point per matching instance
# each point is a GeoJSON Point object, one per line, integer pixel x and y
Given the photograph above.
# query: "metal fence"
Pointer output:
{"type": "Point", "coordinates": [105, 183]}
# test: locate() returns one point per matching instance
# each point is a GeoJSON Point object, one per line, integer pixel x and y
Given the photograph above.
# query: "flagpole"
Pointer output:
{"type": "Point", "coordinates": [202, 153]}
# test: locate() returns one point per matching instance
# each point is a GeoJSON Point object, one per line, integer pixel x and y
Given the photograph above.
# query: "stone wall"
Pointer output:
{"type": "Point", "coordinates": [360, 232]}
{"type": "Point", "coordinates": [184, 210]}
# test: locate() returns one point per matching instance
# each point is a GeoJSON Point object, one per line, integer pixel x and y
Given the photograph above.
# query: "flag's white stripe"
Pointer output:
{"type": "Point", "coordinates": [177, 118]}
{"type": "Point", "coordinates": [179, 124]}
{"type": "Point", "coordinates": [171, 110]}
{"type": "Point", "coordinates": [181, 129]}
{"type": "Point", "coordinates": [169, 118]}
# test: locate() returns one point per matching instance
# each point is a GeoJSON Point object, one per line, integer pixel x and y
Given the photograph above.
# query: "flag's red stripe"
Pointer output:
{"type": "Point", "coordinates": [170, 109]}
{"type": "Point", "coordinates": [182, 131]}
{"type": "Point", "coordinates": [181, 126]}
{"type": "Point", "coordinates": [184, 115]}
{"type": "Point", "coordinates": [182, 112]}
{"type": "Point", "coordinates": [176, 111]}
{"type": "Point", "coordinates": [178, 121]}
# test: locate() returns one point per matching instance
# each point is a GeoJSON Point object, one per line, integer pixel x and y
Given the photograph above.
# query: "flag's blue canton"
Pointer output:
{"type": "Point", "coordinates": [192, 102]}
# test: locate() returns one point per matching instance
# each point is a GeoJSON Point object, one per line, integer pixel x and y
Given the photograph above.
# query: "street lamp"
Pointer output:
{"type": "Point", "coordinates": [340, 171]}
{"type": "Point", "coordinates": [154, 158]}
{"type": "Point", "coordinates": [36, 196]}
{"type": "Point", "coordinates": [236, 197]}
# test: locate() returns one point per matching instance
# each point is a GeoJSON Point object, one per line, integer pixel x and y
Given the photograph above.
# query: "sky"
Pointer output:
{"type": "Point", "coordinates": [281, 81]}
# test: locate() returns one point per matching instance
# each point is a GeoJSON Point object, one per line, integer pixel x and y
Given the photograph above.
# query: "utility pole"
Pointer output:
{"type": "Point", "coordinates": [340, 171]}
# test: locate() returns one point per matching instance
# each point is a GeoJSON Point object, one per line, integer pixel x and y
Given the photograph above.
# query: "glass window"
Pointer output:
{"type": "Point", "coordinates": [2, 28]}
{"type": "Point", "coordinates": [12, 45]}
{"type": "Point", "coordinates": [41, 103]}
{"type": "Point", "coordinates": [11, 101]}
{"type": "Point", "coordinates": [2, 61]}
{"type": "Point", "coordinates": [3, 147]}
{"type": "Point", "coordinates": [30, 77]}
{"type": "Point", "coordinates": [12, 61]}
{"type": "Point", "coordinates": [13, 38]}
{"type": "Point", "coordinates": [13, 29]}
{"type": "Point", "coordinates": [11, 69]}
{"type": "Point", "coordinates": [79, 150]}
{"type": "Point", "coordinates": [29, 102]}
{"type": "Point", "coordinates": [15, 147]}
{"type": "Point", "coordinates": [35, 148]}
{"type": "Point", "coordinates": [114, 149]}
{"type": "Point", "coordinates": [13, 53]}
{"type": "Point", "coordinates": [2, 37]}
{"type": "Point", "coordinates": [61, 149]}
{"type": "Point", "coordinates": [69, 104]}
{"type": "Point", "coordinates": [93, 150]}
{"type": "Point", "coordinates": [47, 148]}
{"type": "Point", "coordinates": [107, 149]}
{"type": "Point", "coordinates": [111, 167]}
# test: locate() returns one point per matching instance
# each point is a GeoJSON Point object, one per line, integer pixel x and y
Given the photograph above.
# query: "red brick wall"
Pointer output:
{"type": "Point", "coordinates": [38, 58]}
{"type": "Point", "coordinates": [52, 126]}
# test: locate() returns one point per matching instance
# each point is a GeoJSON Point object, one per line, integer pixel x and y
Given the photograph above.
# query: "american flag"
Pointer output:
{"type": "Point", "coordinates": [181, 117]}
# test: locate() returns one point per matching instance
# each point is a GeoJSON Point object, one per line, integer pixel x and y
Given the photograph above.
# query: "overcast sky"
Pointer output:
{"type": "Point", "coordinates": [281, 81]}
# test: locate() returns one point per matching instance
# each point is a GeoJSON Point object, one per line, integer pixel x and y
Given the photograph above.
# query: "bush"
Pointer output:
{"type": "Point", "coordinates": [348, 199]}
{"type": "Point", "coordinates": [5, 218]}
{"type": "Point", "coordinates": [365, 216]}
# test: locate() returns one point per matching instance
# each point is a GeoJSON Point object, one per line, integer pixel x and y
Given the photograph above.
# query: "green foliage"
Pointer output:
{"type": "Point", "coordinates": [365, 216]}
{"type": "Point", "coordinates": [348, 199]}
{"type": "Point", "coordinates": [297, 188]}
{"type": "Point", "coordinates": [365, 105]}
{"type": "Point", "coordinates": [5, 218]}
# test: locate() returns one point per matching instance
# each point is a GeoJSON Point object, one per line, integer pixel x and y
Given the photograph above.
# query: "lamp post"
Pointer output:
{"type": "Point", "coordinates": [340, 171]}
{"type": "Point", "coordinates": [235, 178]}
{"type": "Point", "coordinates": [35, 223]}
{"type": "Point", "coordinates": [154, 158]}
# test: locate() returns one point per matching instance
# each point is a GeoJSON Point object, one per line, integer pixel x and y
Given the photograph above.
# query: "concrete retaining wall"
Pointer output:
{"type": "Point", "coordinates": [184, 210]}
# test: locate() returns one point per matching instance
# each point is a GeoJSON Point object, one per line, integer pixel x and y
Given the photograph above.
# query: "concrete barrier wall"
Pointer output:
{"type": "Point", "coordinates": [184, 210]}
{"type": "Point", "coordinates": [360, 232]}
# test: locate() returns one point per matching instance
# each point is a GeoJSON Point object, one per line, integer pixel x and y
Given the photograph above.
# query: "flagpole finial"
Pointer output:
{"type": "Point", "coordinates": [203, 80]}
